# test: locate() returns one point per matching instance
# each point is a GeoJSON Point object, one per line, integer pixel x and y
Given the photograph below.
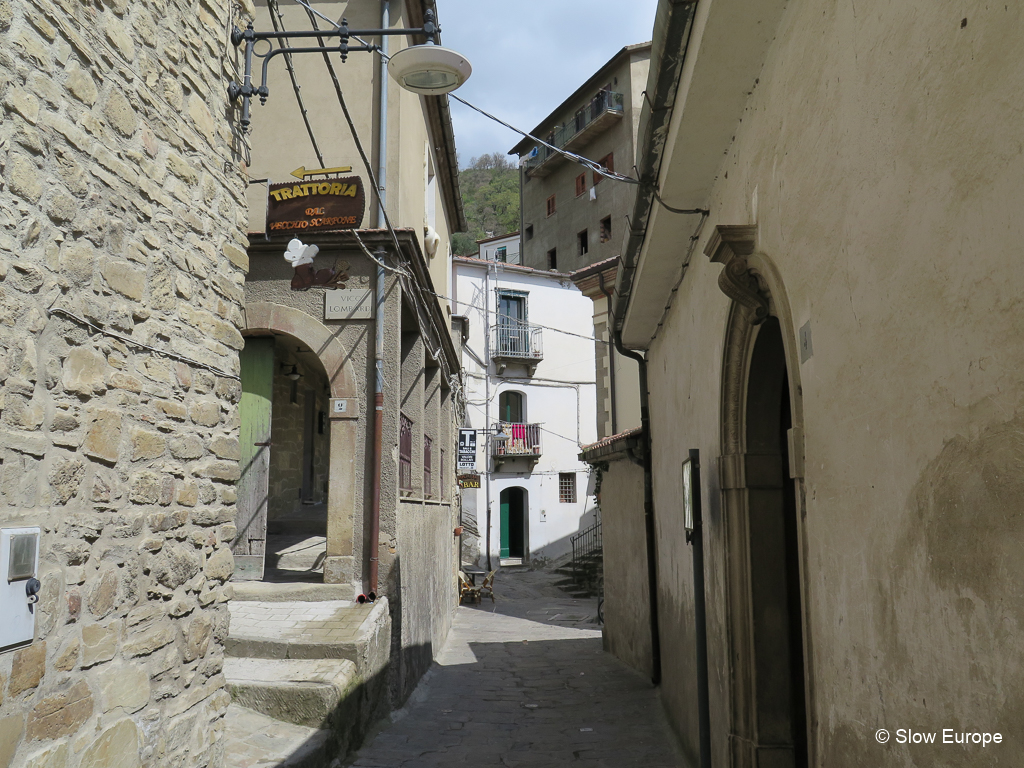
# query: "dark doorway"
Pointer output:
{"type": "Point", "coordinates": [513, 524]}
{"type": "Point", "coordinates": [774, 557]}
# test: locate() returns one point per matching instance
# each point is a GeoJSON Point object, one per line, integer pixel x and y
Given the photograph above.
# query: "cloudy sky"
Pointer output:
{"type": "Point", "coordinates": [528, 56]}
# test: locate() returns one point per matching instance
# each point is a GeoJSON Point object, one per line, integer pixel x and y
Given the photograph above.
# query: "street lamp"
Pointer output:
{"type": "Point", "coordinates": [426, 69]}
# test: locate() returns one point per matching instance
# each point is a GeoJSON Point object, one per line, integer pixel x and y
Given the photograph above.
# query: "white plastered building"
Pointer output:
{"type": "Point", "coordinates": [531, 395]}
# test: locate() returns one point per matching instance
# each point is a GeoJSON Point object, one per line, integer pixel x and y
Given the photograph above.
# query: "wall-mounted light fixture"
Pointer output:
{"type": "Point", "coordinates": [291, 372]}
{"type": "Point", "coordinates": [427, 69]}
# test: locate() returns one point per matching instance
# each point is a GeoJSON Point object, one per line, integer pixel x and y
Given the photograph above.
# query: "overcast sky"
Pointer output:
{"type": "Point", "coordinates": [528, 56]}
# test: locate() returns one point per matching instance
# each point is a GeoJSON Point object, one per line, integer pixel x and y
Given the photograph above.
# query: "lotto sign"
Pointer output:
{"type": "Point", "coordinates": [467, 449]}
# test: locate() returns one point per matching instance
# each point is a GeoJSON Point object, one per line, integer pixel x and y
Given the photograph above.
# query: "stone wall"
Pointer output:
{"type": "Point", "coordinates": [288, 428]}
{"type": "Point", "coordinates": [121, 270]}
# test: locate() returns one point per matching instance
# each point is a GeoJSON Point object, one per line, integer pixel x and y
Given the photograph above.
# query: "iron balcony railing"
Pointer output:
{"type": "Point", "coordinates": [515, 440]}
{"type": "Point", "coordinates": [516, 340]}
{"type": "Point", "coordinates": [601, 104]}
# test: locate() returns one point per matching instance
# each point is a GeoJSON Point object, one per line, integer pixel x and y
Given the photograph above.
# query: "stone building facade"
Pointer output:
{"type": "Point", "coordinates": [122, 261]}
{"type": "Point", "coordinates": [840, 340]}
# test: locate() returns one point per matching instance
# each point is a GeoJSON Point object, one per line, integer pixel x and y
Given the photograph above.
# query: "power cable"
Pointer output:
{"type": "Point", "coordinates": [275, 11]}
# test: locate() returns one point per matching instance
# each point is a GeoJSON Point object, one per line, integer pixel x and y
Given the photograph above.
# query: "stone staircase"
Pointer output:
{"type": "Point", "coordinates": [305, 669]}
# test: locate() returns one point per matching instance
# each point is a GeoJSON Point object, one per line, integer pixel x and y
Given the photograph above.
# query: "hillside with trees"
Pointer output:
{"type": "Point", "coordinates": [490, 196]}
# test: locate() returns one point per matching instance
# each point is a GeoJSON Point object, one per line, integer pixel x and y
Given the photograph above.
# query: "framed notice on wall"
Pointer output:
{"type": "Point", "coordinates": [316, 206]}
{"type": "Point", "coordinates": [467, 449]}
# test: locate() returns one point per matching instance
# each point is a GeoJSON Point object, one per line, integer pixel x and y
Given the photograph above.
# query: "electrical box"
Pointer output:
{"type": "Point", "coordinates": [19, 586]}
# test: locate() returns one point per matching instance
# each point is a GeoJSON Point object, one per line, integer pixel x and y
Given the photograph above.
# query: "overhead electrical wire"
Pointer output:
{"type": "Point", "coordinates": [593, 165]}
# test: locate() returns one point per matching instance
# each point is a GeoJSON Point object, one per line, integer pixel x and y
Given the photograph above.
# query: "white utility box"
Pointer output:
{"type": "Point", "coordinates": [19, 588]}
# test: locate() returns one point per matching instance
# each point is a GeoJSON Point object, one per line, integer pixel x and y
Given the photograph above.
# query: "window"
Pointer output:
{"type": "Point", "coordinates": [553, 259]}
{"type": "Point", "coordinates": [551, 205]}
{"type": "Point", "coordinates": [608, 162]}
{"type": "Point", "coordinates": [501, 254]}
{"type": "Point", "coordinates": [529, 232]}
{"type": "Point", "coordinates": [428, 447]}
{"type": "Point", "coordinates": [510, 407]}
{"type": "Point", "coordinates": [440, 481]}
{"type": "Point", "coordinates": [606, 229]}
{"type": "Point", "coordinates": [405, 453]}
{"type": "Point", "coordinates": [513, 335]}
{"type": "Point", "coordinates": [581, 184]}
{"type": "Point", "coordinates": [567, 487]}
{"type": "Point", "coordinates": [582, 243]}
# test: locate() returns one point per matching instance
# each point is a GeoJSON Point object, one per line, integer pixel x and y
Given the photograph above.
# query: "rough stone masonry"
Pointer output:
{"type": "Point", "coordinates": [122, 259]}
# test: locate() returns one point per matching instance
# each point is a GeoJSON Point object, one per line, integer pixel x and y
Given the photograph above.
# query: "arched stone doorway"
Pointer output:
{"type": "Point", "coordinates": [771, 688]}
{"type": "Point", "coordinates": [514, 522]}
{"type": "Point", "coordinates": [298, 450]}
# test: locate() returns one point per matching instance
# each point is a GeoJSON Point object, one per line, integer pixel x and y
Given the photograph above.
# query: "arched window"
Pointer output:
{"type": "Point", "coordinates": [512, 407]}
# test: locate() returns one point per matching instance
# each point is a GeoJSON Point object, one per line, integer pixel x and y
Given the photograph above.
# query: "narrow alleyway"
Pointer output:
{"type": "Point", "coordinates": [524, 683]}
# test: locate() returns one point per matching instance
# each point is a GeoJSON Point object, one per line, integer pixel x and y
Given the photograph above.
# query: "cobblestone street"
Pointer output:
{"type": "Point", "coordinates": [524, 682]}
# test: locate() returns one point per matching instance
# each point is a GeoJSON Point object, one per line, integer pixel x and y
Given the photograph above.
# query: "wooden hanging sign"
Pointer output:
{"type": "Point", "coordinates": [316, 206]}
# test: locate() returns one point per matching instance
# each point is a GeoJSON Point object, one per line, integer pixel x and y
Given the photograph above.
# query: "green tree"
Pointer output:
{"type": "Point", "coordinates": [490, 197]}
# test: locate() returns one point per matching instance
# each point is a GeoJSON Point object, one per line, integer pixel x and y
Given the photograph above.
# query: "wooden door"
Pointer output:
{"type": "Point", "coordinates": [250, 547]}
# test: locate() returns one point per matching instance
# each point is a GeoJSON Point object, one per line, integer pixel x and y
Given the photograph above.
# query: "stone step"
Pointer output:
{"type": "Point", "coordinates": [298, 691]}
{"type": "Point", "coordinates": [270, 592]}
{"type": "Point", "coordinates": [297, 552]}
{"type": "Point", "coordinates": [297, 630]}
{"type": "Point", "coordinates": [253, 740]}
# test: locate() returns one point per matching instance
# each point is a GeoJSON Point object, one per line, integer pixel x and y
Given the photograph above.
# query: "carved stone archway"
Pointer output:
{"type": "Point", "coordinates": [751, 280]}
{"type": "Point", "coordinates": [340, 566]}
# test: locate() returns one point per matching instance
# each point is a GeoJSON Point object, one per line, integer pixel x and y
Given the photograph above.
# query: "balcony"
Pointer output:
{"type": "Point", "coordinates": [600, 114]}
{"type": "Point", "coordinates": [516, 342]}
{"type": "Point", "coordinates": [519, 441]}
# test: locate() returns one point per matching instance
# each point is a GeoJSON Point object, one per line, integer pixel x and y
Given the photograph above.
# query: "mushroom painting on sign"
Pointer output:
{"type": "Point", "coordinates": [301, 256]}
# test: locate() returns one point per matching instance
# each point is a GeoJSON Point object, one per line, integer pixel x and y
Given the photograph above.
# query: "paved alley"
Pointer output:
{"type": "Point", "coordinates": [525, 682]}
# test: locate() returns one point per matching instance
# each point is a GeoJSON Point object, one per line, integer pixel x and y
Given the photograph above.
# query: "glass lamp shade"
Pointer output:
{"type": "Point", "coordinates": [429, 70]}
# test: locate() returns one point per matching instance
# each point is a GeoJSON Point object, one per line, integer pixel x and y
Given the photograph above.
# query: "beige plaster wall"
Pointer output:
{"type": "Point", "coordinates": [878, 158]}
{"type": "Point", "coordinates": [627, 616]}
{"type": "Point", "coordinates": [281, 141]}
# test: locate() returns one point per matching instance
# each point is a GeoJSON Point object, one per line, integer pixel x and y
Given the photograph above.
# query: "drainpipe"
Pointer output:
{"type": "Point", "coordinates": [611, 352]}
{"type": "Point", "coordinates": [487, 409]}
{"type": "Point", "coordinates": [378, 386]}
{"type": "Point", "coordinates": [652, 568]}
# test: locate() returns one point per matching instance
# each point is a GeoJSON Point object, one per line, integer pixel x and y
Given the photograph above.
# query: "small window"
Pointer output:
{"type": "Point", "coordinates": [607, 162]}
{"type": "Point", "coordinates": [511, 407]}
{"type": "Point", "coordinates": [529, 232]}
{"type": "Point", "coordinates": [501, 254]}
{"type": "Point", "coordinates": [428, 447]}
{"type": "Point", "coordinates": [582, 243]}
{"type": "Point", "coordinates": [551, 205]}
{"type": "Point", "coordinates": [567, 487]}
{"type": "Point", "coordinates": [405, 453]}
{"type": "Point", "coordinates": [553, 259]}
{"type": "Point", "coordinates": [440, 481]}
{"type": "Point", "coordinates": [606, 229]}
{"type": "Point", "coordinates": [581, 184]}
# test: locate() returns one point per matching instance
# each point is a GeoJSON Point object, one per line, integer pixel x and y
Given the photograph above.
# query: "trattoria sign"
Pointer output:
{"type": "Point", "coordinates": [316, 206]}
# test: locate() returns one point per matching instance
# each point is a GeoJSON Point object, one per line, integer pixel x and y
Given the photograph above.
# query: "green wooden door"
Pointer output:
{"type": "Point", "coordinates": [257, 364]}
{"type": "Point", "coordinates": [503, 551]}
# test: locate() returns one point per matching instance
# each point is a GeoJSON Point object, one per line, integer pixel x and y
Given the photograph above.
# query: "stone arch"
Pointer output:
{"type": "Point", "coordinates": [755, 284]}
{"type": "Point", "coordinates": [344, 493]}
{"type": "Point", "coordinates": [265, 315]}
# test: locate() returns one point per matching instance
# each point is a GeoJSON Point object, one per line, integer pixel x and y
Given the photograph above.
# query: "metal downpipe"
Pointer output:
{"type": "Point", "coordinates": [649, 528]}
{"type": "Point", "coordinates": [378, 386]}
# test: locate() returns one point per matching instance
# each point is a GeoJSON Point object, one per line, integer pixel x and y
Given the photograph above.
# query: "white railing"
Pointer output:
{"type": "Point", "coordinates": [514, 439]}
{"type": "Point", "coordinates": [517, 340]}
